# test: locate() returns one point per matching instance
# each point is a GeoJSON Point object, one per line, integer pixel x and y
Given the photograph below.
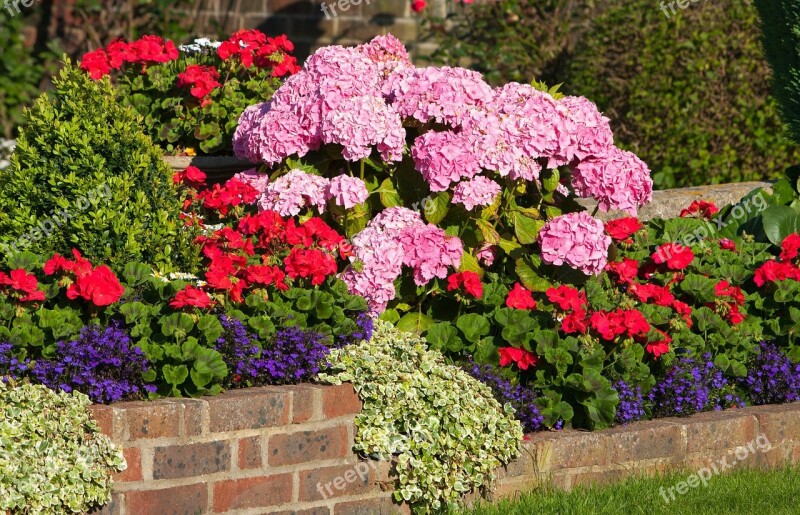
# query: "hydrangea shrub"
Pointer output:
{"type": "Point", "coordinates": [427, 414]}
{"type": "Point", "coordinates": [53, 458]}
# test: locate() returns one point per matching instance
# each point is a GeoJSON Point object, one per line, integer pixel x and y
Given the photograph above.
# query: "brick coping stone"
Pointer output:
{"type": "Point", "coordinates": [288, 450]}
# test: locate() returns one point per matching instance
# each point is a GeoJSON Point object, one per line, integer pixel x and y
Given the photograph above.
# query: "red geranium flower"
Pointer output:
{"type": "Point", "coordinates": [520, 298]}
{"type": "Point", "coordinates": [674, 255]}
{"type": "Point", "coordinates": [100, 287]}
{"type": "Point", "coordinates": [608, 325]}
{"type": "Point", "coordinates": [772, 271]}
{"type": "Point", "coordinates": [705, 209]}
{"type": "Point", "coordinates": [625, 270]}
{"type": "Point", "coordinates": [469, 280]}
{"type": "Point", "coordinates": [312, 263]}
{"type": "Point", "coordinates": [684, 310]}
{"type": "Point", "coordinates": [726, 244]}
{"type": "Point", "coordinates": [635, 322]}
{"type": "Point", "coordinates": [575, 322]}
{"type": "Point", "coordinates": [419, 5]}
{"type": "Point", "coordinates": [201, 79]}
{"type": "Point", "coordinates": [567, 297]}
{"type": "Point", "coordinates": [191, 297]}
{"type": "Point", "coordinates": [622, 228]}
{"type": "Point", "coordinates": [192, 177]}
{"type": "Point", "coordinates": [96, 64]}
{"type": "Point", "coordinates": [660, 295]}
{"type": "Point", "coordinates": [790, 247]}
{"type": "Point", "coordinates": [660, 347]}
{"type": "Point", "coordinates": [521, 357]}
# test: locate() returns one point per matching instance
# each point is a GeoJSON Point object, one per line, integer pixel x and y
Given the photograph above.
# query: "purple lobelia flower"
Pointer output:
{"type": "Point", "coordinates": [631, 403]}
{"type": "Point", "coordinates": [102, 363]}
{"type": "Point", "coordinates": [772, 378]}
{"type": "Point", "coordinates": [365, 324]}
{"type": "Point", "coordinates": [10, 366]}
{"type": "Point", "coordinates": [293, 356]}
{"type": "Point", "coordinates": [520, 397]}
{"type": "Point", "coordinates": [692, 386]}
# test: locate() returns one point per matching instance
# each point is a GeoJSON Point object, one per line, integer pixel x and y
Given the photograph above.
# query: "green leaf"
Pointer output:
{"type": "Point", "coordinates": [473, 326]}
{"type": "Point", "coordinates": [530, 278]}
{"type": "Point", "coordinates": [389, 195]}
{"type": "Point", "coordinates": [415, 323]}
{"type": "Point", "coordinates": [779, 222]}
{"type": "Point", "coordinates": [526, 228]}
{"type": "Point", "coordinates": [177, 324]}
{"type": "Point", "coordinates": [444, 337]}
{"type": "Point", "coordinates": [437, 206]}
{"type": "Point", "coordinates": [175, 375]}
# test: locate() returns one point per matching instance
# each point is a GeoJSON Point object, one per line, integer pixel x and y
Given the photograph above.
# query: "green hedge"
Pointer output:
{"type": "Point", "coordinates": [689, 94]}
{"type": "Point", "coordinates": [85, 176]}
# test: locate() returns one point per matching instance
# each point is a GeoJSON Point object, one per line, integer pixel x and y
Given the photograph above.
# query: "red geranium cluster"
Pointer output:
{"type": "Point", "coordinates": [148, 49]}
{"type": "Point", "coordinates": [254, 47]}
{"type": "Point", "coordinates": [520, 298]}
{"type": "Point", "coordinates": [522, 358]}
{"type": "Point", "coordinates": [97, 285]}
{"type": "Point", "coordinates": [674, 255]}
{"type": "Point", "coordinates": [263, 251]}
{"type": "Point", "coordinates": [21, 285]}
{"type": "Point", "coordinates": [729, 299]}
{"type": "Point", "coordinates": [622, 229]}
{"type": "Point", "coordinates": [192, 177]}
{"type": "Point", "coordinates": [702, 208]}
{"type": "Point", "coordinates": [202, 80]}
{"type": "Point", "coordinates": [785, 267]}
{"type": "Point", "coordinates": [221, 198]}
{"type": "Point", "coordinates": [470, 281]}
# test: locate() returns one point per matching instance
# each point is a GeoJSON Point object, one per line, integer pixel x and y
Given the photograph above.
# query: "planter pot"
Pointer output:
{"type": "Point", "coordinates": [218, 169]}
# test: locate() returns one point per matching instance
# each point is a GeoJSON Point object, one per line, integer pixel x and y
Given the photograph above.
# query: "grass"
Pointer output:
{"type": "Point", "coordinates": [741, 492]}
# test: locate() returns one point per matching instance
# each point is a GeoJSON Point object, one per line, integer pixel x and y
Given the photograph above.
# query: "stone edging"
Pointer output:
{"type": "Point", "coordinates": [289, 450]}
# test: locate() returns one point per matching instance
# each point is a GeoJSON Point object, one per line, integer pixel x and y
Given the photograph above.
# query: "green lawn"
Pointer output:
{"type": "Point", "coordinates": [742, 492]}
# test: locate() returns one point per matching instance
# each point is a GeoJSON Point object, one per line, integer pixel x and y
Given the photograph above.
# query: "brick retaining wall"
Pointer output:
{"type": "Point", "coordinates": [276, 450]}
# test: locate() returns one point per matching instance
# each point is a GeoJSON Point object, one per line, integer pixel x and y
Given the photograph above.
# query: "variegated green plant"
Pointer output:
{"type": "Point", "coordinates": [53, 458]}
{"type": "Point", "coordinates": [447, 431]}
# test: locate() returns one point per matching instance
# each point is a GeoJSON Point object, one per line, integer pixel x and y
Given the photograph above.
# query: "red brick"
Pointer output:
{"type": "Point", "coordinates": [645, 441]}
{"type": "Point", "coordinates": [567, 449]}
{"type": "Point", "coordinates": [341, 400]}
{"type": "Point", "coordinates": [324, 510]}
{"type": "Point", "coordinates": [306, 401]}
{"type": "Point", "coordinates": [308, 446]}
{"type": "Point", "coordinates": [191, 460]}
{"type": "Point", "coordinates": [255, 492]}
{"type": "Point", "coordinates": [133, 457]}
{"type": "Point", "coordinates": [250, 453]}
{"type": "Point", "coordinates": [180, 500]}
{"type": "Point", "coordinates": [383, 505]}
{"type": "Point", "coordinates": [104, 417]}
{"type": "Point", "coordinates": [778, 423]}
{"type": "Point", "coordinates": [157, 419]}
{"type": "Point", "coordinates": [315, 482]}
{"type": "Point", "coordinates": [609, 475]}
{"type": "Point", "coordinates": [253, 408]}
{"type": "Point", "coordinates": [718, 431]}
{"type": "Point", "coordinates": [193, 416]}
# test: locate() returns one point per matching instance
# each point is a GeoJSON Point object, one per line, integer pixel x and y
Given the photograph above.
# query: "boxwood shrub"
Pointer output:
{"type": "Point", "coordinates": [85, 176]}
{"type": "Point", "coordinates": [689, 94]}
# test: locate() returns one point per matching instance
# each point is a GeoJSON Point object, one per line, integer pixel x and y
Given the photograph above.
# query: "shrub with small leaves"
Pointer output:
{"type": "Point", "coordinates": [448, 432]}
{"type": "Point", "coordinates": [52, 457]}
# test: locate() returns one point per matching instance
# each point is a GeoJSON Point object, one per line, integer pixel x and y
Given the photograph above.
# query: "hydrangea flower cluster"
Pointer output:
{"type": "Point", "coordinates": [631, 403]}
{"type": "Point", "coordinates": [576, 239]}
{"type": "Point", "coordinates": [521, 398]}
{"type": "Point", "coordinates": [480, 191]}
{"type": "Point", "coordinates": [692, 386]}
{"type": "Point", "coordinates": [102, 363]}
{"type": "Point", "coordinates": [772, 378]}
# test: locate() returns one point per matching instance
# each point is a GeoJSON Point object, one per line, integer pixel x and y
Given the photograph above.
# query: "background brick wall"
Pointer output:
{"type": "Point", "coordinates": [308, 26]}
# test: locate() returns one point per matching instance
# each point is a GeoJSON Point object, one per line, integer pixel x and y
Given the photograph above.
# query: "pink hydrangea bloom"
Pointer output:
{"type": "Point", "coordinates": [387, 52]}
{"type": "Point", "coordinates": [395, 219]}
{"type": "Point", "coordinates": [246, 128]}
{"type": "Point", "coordinates": [347, 191]}
{"type": "Point", "coordinates": [444, 158]}
{"type": "Point", "coordinates": [576, 239]}
{"type": "Point", "coordinates": [487, 254]}
{"type": "Point", "coordinates": [360, 123]}
{"type": "Point", "coordinates": [617, 180]}
{"type": "Point", "coordinates": [496, 148]}
{"type": "Point", "coordinates": [588, 130]}
{"type": "Point", "coordinates": [480, 191]}
{"type": "Point", "coordinates": [254, 178]}
{"type": "Point", "coordinates": [430, 252]}
{"type": "Point", "coordinates": [289, 194]}
{"type": "Point", "coordinates": [446, 95]}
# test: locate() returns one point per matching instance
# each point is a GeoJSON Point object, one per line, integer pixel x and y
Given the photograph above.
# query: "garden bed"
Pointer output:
{"type": "Point", "coordinates": [284, 449]}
